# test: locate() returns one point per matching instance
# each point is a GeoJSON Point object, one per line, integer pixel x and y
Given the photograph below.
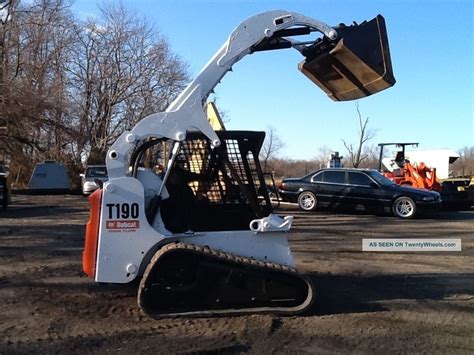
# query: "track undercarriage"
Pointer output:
{"type": "Point", "coordinates": [189, 280]}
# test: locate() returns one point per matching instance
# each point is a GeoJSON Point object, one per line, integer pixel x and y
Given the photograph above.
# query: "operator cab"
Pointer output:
{"type": "Point", "coordinates": [213, 189]}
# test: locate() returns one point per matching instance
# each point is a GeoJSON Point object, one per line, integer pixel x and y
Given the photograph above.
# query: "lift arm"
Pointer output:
{"type": "Point", "coordinates": [265, 31]}
{"type": "Point", "coordinates": [186, 112]}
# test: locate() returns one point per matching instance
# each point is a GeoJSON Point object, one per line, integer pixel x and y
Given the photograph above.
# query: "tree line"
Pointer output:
{"type": "Point", "coordinates": [356, 155]}
{"type": "Point", "coordinates": [286, 167]}
{"type": "Point", "coordinates": [69, 87]}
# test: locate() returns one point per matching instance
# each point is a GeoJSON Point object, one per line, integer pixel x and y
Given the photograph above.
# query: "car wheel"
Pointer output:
{"type": "Point", "coordinates": [307, 201]}
{"type": "Point", "coordinates": [404, 207]}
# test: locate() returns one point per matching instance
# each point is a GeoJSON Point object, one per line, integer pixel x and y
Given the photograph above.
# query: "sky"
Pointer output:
{"type": "Point", "coordinates": [431, 45]}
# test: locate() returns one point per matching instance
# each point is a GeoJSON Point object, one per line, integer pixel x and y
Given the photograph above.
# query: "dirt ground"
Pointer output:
{"type": "Point", "coordinates": [367, 302]}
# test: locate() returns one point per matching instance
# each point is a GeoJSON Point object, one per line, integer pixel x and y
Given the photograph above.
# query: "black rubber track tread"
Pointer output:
{"type": "Point", "coordinates": [237, 259]}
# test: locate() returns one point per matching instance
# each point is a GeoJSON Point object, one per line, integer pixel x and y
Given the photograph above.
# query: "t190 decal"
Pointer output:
{"type": "Point", "coordinates": [122, 217]}
{"type": "Point", "coordinates": [122, 210]}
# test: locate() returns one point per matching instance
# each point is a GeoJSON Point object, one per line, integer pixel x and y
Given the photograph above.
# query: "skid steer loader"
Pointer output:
{"type": "Point", "coordinates": [201, 236]}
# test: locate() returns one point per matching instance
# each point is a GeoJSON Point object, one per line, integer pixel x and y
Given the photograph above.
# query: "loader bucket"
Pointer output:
{"type": "Point", "coordinates": [355, 65]}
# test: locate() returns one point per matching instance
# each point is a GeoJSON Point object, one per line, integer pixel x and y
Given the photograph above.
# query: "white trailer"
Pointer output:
{"type": "Point", "coordinates": [441, 159]}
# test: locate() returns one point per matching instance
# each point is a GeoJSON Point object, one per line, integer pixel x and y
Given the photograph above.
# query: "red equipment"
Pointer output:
{"type": "Point", "coordinates": [419, 176]}
{"type": "Point", "coordinates": [405, 173]}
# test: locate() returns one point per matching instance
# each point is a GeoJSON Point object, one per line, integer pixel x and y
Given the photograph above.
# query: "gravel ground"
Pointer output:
{"type": "Point", "coordinates": [367, 302]}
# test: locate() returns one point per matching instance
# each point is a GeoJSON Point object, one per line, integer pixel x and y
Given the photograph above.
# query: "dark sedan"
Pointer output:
{"type": "Point", "coordinates": [354, 188]}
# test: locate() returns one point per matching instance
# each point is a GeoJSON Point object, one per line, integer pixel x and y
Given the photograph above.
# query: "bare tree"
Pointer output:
{"type": "Point", "coordinates": [37, 39]}
{"type": "Point", "coordinates": [464, 165]}
{"type": "Point", "coordinates": [283, 168]}
{"type": "Point", "coordinates": [272, 145]}
{"type": "Point", "coordinates": [69, 88]}
{"type": "Point", "coordinates": [356, 152]}
{"type": "Point", "coordinates": [123, 71]}
{"type": "Point", "coordinates": [371, 154]}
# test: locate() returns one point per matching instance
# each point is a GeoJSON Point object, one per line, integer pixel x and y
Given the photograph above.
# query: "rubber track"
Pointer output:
{"type": "Point", "coordinates": [237, 259]}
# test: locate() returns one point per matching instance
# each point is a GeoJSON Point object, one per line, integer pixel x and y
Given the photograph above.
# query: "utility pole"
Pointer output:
{"type": "Point", "coordinates": [4, 16]}
{"type": "Point", "coordinates": [3, 19]}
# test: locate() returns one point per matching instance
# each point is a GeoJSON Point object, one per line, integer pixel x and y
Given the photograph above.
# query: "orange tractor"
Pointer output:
{"type": "Point", "coordinates": [401, 171]}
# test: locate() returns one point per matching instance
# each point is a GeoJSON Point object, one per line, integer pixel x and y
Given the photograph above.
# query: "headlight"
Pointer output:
{"type": "Point", "coordinates": [428, 198]}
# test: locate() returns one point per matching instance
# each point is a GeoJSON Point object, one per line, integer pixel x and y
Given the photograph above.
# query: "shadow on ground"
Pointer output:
{"type": "Point", "coordinates": [338, 294]}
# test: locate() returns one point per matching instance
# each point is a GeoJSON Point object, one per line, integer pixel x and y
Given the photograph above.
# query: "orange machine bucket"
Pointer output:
{"type": "Point", "coordinates": [355, 65]}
